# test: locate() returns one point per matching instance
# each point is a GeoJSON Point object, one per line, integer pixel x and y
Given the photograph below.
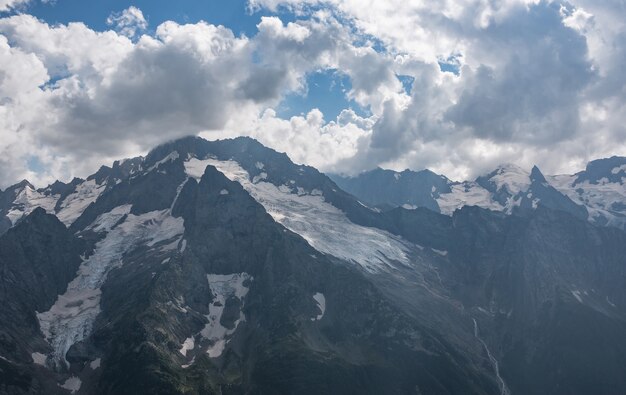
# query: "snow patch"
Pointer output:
{"type": "Point", "coordinates": [259, 165]}
{"type": "Point", "coordinates": [95, 364]}
{"type": "Point", "coordinates": [535, 203]}
{"type": "Point", "coordinates": [440, 252]}
{"type": "Point", "coordinates": [185, 366]}
{"type": "Point", "coordinates": [577, 296]}
{"type": "Point", "coordinates": [618, 169]}
{"type": "Point", "coordinates": [223, 286]}
{"type": "Point", "coordinates": [188, 345]}
{"type": "Point", "coordinates": [72, 384]}
{"type": "Point", "coordinates": [223, 192]}
{"type": "Point", "coordinates": [509, 177]}
{"type": "Point", "coordinates": [39, 358]}
{"type": "Point", "coordinates": [321, 305]}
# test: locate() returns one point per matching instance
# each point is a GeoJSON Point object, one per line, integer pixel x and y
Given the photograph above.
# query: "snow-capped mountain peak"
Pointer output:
{"type": "Point", "coordinates": [506, 178]}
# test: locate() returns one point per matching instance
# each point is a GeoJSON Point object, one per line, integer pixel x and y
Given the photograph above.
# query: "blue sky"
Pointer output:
{"type": "Point", "coordinates": [230, 13]}
{"type": "Point", "coordinates": [326, 89]}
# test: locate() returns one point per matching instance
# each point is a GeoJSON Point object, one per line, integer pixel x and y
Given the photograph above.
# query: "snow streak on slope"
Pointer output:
{"type": "Point", "coordinates": [27, 200]}
{"type": "Point", "coordinates": [71, 318]}
{"type": "Point", "coordinates": [74, 204]}
{"type": "Point", "coordinates": [320, 300]}
{"type": "Point", "coordinates": [323, 225]}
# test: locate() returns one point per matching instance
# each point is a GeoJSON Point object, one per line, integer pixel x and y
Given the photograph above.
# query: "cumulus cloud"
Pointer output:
{"type": "Point", "coordinates": [535, 78]}
{"type": "Point", "coordinates": [7, 5]}
{"type": "Point", "coordinates": [309, 139]}
{"type": "Point", "coordinates": [128, 22]}
{"type": "Point", "coordinates": [131, 95]}
{"type": "Point", "coordinates": [538, 82]}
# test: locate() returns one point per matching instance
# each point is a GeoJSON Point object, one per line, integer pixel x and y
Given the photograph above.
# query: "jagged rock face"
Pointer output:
{"type": "Point", "coordinates": [223, 267]}
{"type": "Point", "coordinates": [66, 201]}
{"type": "Point", "coordinates": [38, 258]}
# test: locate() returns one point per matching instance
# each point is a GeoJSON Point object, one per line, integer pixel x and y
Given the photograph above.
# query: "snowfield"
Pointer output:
{"type": "Point", "coordinates": [466, 194]}
{"type": "Point", "coordinates": [71, 318]}
{"type": "Point", "coordinates": [74, 205]}
{"type": "Point", "coordinates": [604, 200]}
{"type": "Point", "coordinates": [27, 200]}
{"type": "Point", "coordinates": [324, 226]}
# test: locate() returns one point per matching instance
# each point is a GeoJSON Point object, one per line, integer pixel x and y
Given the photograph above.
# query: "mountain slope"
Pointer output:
{"type": "Point", "coordinates": [191, 287]}
{"type": "Point", "coordinates": [550, 289]}
{"type": "Point", "coordinates": [38, 258]}
{"type": "Point", "coordinates": [223, 267]}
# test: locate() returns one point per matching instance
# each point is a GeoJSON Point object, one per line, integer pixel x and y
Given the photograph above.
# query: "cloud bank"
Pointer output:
{"type": "Point", "coordinates": [531, 82]}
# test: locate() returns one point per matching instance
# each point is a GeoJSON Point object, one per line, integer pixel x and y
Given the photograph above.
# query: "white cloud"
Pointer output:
{"type": "Point", "coordinates": [129, 96]}
{"type": "Point", "coordinates": [128, 22]}
{"type": "Point", "coordinates": [307, 139]}
{"type": "Point", "coordinates": [6, 5]}
{"type": "Point", "coordinates": [541, 79]}
{"type": "Point", "coordinates": [538, 82]}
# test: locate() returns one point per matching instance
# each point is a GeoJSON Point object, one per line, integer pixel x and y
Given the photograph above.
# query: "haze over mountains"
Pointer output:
{"type": "Point", "coordinates": [596, 193]}
{"type": "Point", "coordinates": [223, 267]}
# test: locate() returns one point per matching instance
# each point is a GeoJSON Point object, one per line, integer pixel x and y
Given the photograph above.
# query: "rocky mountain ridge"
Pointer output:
{"type": "Point", "coordinates": [223, 267]}
{"type": "Point", "coordinates": [596, 193]}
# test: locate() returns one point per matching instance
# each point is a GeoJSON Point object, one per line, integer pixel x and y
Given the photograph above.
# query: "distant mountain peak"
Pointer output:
{"type": "Point", "coordinates": [21, 185]}
{"type": "Point", "coordinates": [537, 176]}
{"type": "Point", "coordinates": [506, 178]}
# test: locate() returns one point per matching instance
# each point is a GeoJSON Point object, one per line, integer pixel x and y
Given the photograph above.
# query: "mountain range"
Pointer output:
{"type": "Point", "coordinates": [597, 193]}
{"type": "Point", "coordinates": [222, 267]}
